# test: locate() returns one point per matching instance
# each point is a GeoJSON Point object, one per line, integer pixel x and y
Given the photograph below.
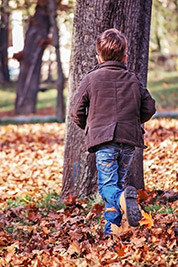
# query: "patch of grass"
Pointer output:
{"type": "Point", "coordinates": [49, 202]}
{"type": "Point", "coordinates": [14, 203]}
{"type": "Point", "coordinates": [7, 97]}
{"type": "Point", "coordinates": [92, 202]}
{"type": "Point", "coordinates": [94, 199]}
{"type": "Point", "coordinates": [11, 230]}
{"type": "Point", "coordinates": [159, 209]}
{"type": "Point", "coordinates": [164, 89]}
{"type": "Point", "coordinates": [46, 99]}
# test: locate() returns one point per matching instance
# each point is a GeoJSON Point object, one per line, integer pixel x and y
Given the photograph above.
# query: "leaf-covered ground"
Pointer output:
{"type": "Point", "coordinates": [37, 230]}
{"type": "Point", "coordinates": [31, 160]}
{"type": "Point", "coordinates": [161, 156]}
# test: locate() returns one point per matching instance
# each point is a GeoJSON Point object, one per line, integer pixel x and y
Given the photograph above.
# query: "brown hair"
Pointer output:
{"type": "Point", "coordinates": [111, 45]}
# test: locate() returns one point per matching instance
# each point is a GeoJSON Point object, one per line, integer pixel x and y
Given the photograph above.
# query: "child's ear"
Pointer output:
{"type": "Point", "coordinates": [99, 59]}
{"type": "Point", "coordinates": [124, 59]}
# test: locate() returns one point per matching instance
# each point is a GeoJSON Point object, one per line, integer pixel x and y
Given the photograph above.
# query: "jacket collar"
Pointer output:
{"type": "Point", "coordinates": [109, 64]}
{"type": "Point", "coordinates": [112, 64]}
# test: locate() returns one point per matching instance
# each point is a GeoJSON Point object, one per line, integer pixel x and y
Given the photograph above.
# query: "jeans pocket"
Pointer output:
{"type": "Point", "coordinates": [106, 161]}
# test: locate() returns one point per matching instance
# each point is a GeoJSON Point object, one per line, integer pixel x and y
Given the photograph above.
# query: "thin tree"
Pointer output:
{"type": "Point", "coordinates": [60, 80]}
{"type": "Point", "coordinates": [132, 17]}
{"type": "Point", "coordinates": [4, 25]}
{"type": "Point", "coordinates": [36, 41]}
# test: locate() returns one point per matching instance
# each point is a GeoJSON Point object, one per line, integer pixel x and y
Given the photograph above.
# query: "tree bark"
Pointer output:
{"type": "Point", "coordinates": [91, 18]}
{"type": "Point", "coordinates": [60, 80]}
{"type": "Point", "coordinates": [30, 69]}
{"type": "Point", "coordinates": [4, 24]}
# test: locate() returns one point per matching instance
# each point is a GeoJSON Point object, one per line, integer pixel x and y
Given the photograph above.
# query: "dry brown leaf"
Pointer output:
{"type": "Point", "coordinates": [138, 242]}
{"type": "Point", "coordinates": [77, 234]}
{"type": "Point", "coordinates": [147, 220]}
{"type": "Point", "coordinates": [11, 251]}
{"type": "Point", "coordinates": [46, 230]}
{"type": "Point", "coordinates": [70, 200]}
{"type": "Point", "coordinates": [108, 258]}
{"type": "Point", "coordinates": [74, 247]}
{"type": "Point", "coordinates": [97, 209]}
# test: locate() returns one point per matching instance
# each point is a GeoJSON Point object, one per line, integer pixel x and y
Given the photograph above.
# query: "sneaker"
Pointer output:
{"type": "Point", "coordinates": [129, 206]}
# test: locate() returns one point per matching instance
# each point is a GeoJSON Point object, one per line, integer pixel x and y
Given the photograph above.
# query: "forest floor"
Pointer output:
{"type": "Point", "coordinates": [37, 230]}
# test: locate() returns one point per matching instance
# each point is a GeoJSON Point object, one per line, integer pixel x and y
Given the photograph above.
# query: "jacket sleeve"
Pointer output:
{"type": "Point", "coordinates": [80, 104]}
{"type": "Point", "coordinates": [147, 105]}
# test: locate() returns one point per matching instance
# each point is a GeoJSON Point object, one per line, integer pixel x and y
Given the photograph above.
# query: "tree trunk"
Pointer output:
{"type": "Point", "coordinates": [91, 18]}
{"type": "Point", "coordinates": [49, 78]}
{"type": "Point", "coordinates": [4, 22]}
{"type": "Point", "coordinates": [60, 80]}
{"type": "Point", "coordinates": [36, 41]}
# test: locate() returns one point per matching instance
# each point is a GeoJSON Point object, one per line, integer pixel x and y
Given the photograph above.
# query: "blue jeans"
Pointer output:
{"type": "Point", "coordinates": [112, 162]}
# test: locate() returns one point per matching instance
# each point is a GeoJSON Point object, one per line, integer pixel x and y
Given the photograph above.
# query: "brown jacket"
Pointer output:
{"type": "Point", "coordinates": [110, 105]}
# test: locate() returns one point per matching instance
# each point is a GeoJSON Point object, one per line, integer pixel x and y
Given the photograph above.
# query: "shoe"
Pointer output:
{"type": "Point", "coordinates": [129, 206]}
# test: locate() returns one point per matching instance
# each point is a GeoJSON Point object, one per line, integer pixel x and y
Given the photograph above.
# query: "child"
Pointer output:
{"type": "Point", "coordinates": [110, 105]}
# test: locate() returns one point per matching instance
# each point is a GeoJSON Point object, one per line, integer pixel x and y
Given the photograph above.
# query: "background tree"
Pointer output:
{"type": "Point", "coordinates": [30, 58]}
{"type": "Point", "coordinates": [4, 23]}
{"type": "Point", "coordinates": [60, 77]}
{"type": "Point", "coordinates": [91, 18]}
{"type": "Point", "coordinates": [36, 40]}
{"type": "Point", "coordinates": [164, 36]}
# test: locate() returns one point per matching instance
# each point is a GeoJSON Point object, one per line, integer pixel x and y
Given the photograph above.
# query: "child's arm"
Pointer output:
{"type": "Point", "coordinates": [80, 104]}
{"type": "Point", "coordinates": [147, 105]}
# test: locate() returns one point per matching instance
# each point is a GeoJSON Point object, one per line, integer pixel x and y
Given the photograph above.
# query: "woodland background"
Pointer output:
{"type": "Point", "coordinates": [36, 229]}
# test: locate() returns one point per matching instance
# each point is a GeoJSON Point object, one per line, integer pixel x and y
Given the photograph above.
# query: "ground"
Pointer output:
{"type": "Point", "coordinates": [37, 230]}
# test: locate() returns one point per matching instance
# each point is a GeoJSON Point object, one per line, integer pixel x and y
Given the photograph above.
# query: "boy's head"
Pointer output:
{"type": "Point", "coordinates": [111, 45]}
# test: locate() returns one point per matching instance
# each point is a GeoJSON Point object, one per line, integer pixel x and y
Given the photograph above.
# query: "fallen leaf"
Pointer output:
{"type": "Point", "coordinates": [120, 249]}
{"type": "Point", "coordinates": [74, 247]}
{"type": "Point", "coordinates": [109, 257]}
{"type": "Point", "coordinates": [147, 220]}
{"type": "Point", "coordinates": [172, 244]}
{"type": "Point", "coordinates": [77, 234]}
{"type": "Point", "coordinates": [11, 251]}
{"type": "Point", "coordinates": [97, 209]}
{"type": "Point", "coordinates": [142, 195]}
{"type": "Point", "coordinates": [46, 230]}
{"type": "Point", "coordinates": [33, 216]}
{"type": "Point", "coordinates": [70, 200]}
{"type": "Point", "coordinates": [138, 242]}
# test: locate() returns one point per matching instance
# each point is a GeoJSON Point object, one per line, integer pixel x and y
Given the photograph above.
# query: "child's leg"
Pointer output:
{"type": "Point", "coordinates": [112, 165]}
{"type": "Point", "coordinates": [114, 217]}
{"type": "Point", "coordinates": [110, 179]}
{"type": "Point", "coordinates": [124, 161]}
{"type": "Point", "coordinates": [107, 167]}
